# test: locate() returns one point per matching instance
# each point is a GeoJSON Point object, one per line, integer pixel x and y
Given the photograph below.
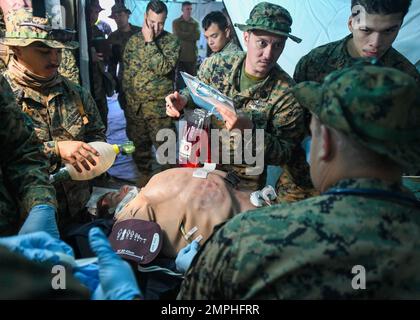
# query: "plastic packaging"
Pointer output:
{"type": "Point", "coordinates": [195, 140]}
{"type": "Point", "coordinates": [206, 96]}
{"type": "Point", "coordinates": [107, 155]}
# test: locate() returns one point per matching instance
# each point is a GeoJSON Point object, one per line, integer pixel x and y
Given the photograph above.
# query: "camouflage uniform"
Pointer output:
{"type": "Point", "coordinates": [307, 250]}
{"type": "Point", "coordinates": [62, 120]}
{"type": "Point", "coordinates": [333, 56]}
{"type": "Point", "coordinates": [271, 107]}
{"type": "Point", "coordinates": [147, 80]}
{"type": "Point", "coordinates": [229, 47]}
{"type": "Point", "coordinates": [68, 66]}
{"type": "Point", "coordinates": [21, 279]}
{"type": "Point", "coordinates": [24, 170]}
{"type": "Point", "coordinates": [118, 40]}
{"type": "Point", "coordinates": [62, 111]}
{"type": "Point", "coordinates": [188, 33]}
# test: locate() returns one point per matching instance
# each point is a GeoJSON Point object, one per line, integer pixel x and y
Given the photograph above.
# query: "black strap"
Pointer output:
{"type": "Point", "coordinates": [232, 178]}
{"type": "Point", "coordinates": [375, 193]}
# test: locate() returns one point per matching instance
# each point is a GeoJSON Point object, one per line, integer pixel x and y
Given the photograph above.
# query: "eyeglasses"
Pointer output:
{"type": "Point", "coordinates": [61, 35]}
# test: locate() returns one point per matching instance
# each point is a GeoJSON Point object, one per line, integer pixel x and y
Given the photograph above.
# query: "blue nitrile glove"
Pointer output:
{"type": "Point", "coordinates": [186, 255]}
{"type": "Point", "coordinates": [117, 280]}
{"type": "Point", "coordinates": [88, 275]}
{"type": "Point", "coordinates": [41, 218]}
{"type": "Point", "coordinates": [37, 246]}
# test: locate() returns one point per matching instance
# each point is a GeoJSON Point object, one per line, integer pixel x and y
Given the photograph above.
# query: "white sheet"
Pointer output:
{"type": "Point", "coordinates": [321, 21]}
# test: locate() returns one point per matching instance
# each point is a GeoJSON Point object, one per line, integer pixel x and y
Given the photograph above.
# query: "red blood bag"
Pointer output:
{"type": "Point", "coordinates": [194, 147]}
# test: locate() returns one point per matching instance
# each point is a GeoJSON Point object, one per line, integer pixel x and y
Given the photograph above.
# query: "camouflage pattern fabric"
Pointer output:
{"type": "Point", "coordinates": [24, 170]}
{"type": "Point", "coordinates": [23, 35]}
{"type": "Point", "coordinates": [149, 68]}
{"type": "Point", "coordinates": [271, 107]}
{"type": "Point", "coordinates": [229, 47]}
{"type": "Point", "coordinates": [307, 250]}
{"type": "Point", "coordinates": [188, 33]}
{"type": "Point", "coordinates": [142, 130]}
{"type": "Point", "coordinates": [147, 80]}
{"type": "Point", "coordinates": [68, 66]}
{"type": "Point", "coordinates": [377, 107]}
{"type": "Point", "coordinates": [56, 116]}
{"type": "Point", "coordinates": [270, 17]}
{"type": "Point", "coordinates": [118, 40]}
{"type": "Point", "coordinates": [321, 61]}
{"type": "Point", "coordinates": [21, 279]}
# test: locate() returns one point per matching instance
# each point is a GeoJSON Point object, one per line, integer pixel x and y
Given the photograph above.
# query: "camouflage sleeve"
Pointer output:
{"type": "Point", "coordinates": [162, 60]}
{"type": "Point", "coordinates": [130, 58]}
{"type": "Point", "coordinates": [285, 130]}
{"type": "Point", "coordinates": [68, 67]}
{"type": "Point", "coordinates": [95, 129]}
{"type": "Point", "coordinates": [23, 162]}
{"type": "Point", "coordinates": [50, 150]}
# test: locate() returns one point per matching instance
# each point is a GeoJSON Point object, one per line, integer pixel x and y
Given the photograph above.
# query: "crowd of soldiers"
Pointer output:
{"type": "Point", "coordinates": [349, 208]}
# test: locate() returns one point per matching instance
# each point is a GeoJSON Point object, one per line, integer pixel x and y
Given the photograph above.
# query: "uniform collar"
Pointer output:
{"type": "Point", "coordinates": [366, 183]}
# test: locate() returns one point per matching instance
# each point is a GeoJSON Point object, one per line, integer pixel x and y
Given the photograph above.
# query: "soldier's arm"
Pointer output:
{"type": "Point", "coordinates": [23, 162]}
{"type": "Point", "coordinates": [130, 59]}
{"type": "Point", "coordinates": [285, 130]}
{"type": "Point", "coordinates": [162, 60]}
{"type": "Point", "coordinates": [197, 32]}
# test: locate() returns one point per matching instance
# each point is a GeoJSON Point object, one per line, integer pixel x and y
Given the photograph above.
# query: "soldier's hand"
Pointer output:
{"type": "Point", "coordinates": [147, 31]}
{"type": "Point", "coordinates": [175, 102]}
{"type": "Point", "coordinates": [37, 246]}
{"type": "Point", "coordinates": [76, 153]}
{"type": "Point", "coordinates": [233, 120]}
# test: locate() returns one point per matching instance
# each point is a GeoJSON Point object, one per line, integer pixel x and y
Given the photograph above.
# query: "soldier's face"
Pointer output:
{"type": "Point", "coordinates": [121, 19]}
{"type": "Point", "coordinates": [216, 38]}
{"type": "Point", "coordinates": [186, 12]}
{"type": "Point", "coordinates": [373, 34]}
{"type": "Point", "coordinates": [39, 59]}
{"type": "Point", "coordinates": [264, 49]}
{"type": "Point", "coordinates": [156, 21]}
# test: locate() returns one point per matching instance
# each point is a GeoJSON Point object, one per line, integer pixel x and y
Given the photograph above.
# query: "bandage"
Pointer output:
{"type": "Point", "coordinates": [203, 172]}
{"type": "Point", "coordinates": [128, 197]}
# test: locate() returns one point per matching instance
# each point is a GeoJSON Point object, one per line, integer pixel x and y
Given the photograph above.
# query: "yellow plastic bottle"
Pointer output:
{"type": "Point", "coordinates": [107, 155]}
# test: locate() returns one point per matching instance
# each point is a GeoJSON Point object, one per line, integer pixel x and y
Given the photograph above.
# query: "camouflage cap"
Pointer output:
{"type": "Point", "coordinates": [23, 29]}
{"type": "Point", "coordinates": [270, 17]}
{"type": "Point", "coordinates": [118, 8]}
{"type": "Point", "coordinates": [376, 106]}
